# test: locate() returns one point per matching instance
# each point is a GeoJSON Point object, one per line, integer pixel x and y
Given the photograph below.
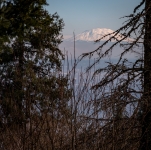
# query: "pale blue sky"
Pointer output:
{"type": "Point", "coordinates": [81, 15]}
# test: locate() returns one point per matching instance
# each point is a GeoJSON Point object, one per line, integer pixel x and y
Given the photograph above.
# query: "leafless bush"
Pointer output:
{"type": "Point", "coordinates": [80, 118]}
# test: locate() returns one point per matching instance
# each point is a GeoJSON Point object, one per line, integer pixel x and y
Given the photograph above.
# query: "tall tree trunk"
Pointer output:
{"type": "Point", "coordinates": [19, 85]}
{"type": "Point", "coordinates": [145, 143]}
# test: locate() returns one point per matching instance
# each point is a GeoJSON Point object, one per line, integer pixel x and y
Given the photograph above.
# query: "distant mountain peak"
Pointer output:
{"type": "Point", "coordinates": [95, 34]}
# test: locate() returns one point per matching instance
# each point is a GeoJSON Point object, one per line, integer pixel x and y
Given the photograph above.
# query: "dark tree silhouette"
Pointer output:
{"type": "Point", "coordinates": [29, 58]}
{"type": "Point", "coordinates": [132, 77]}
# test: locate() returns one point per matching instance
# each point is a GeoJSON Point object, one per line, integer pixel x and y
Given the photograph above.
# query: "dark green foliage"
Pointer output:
{"type": "Point", "coordinates": [29, 59]}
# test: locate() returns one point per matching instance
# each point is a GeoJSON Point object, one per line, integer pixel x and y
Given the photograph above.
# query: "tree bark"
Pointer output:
{"type": "Point", "coordinates": [145, 143]}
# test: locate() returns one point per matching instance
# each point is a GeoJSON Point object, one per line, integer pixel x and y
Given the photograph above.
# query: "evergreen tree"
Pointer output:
{"type": "Point", "coordinates": [29, 60]}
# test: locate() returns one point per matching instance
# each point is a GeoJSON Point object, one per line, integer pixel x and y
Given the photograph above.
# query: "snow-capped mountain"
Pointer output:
{"type": "Point", "coordinates": [95, 34]}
